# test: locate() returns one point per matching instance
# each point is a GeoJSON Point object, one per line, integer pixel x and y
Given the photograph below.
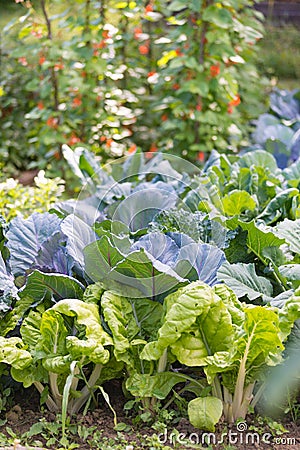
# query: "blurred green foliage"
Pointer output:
{"type": "Point", "coordinates": [279, 53]}
{"type": "Point", "coordinates": [114, 76]}
{"type": "Point", "coordinates": [16, 199]}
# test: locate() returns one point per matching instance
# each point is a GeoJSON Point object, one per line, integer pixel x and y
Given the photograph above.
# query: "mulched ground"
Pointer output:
{"type": "Point", "coordinates": [250, 435]}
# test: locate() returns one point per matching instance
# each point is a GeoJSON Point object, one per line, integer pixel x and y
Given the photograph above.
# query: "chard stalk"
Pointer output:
{"type": "Point", "coordinates": [238, 405]}
{"type": "Point", "coordinates": [162, 362]}
{"type": "Point", "coordinates": [247, 397]}
{"type": "Point", "coordinates": [75, 406]}
{"type": "Point", "coordinates": [51, 405]}
{"type": "Point", "coordinates": [57, 396]}
{"type": "Point", "coordinates": [227, 405]}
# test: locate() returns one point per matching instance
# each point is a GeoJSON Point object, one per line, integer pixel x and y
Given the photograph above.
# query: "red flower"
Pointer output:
{"type": "Point", "coordinates": [37, 33]}
{"type": "Point", "coordinates": [178, 52]}
{"type": "Point", "coordinates": [132, 149]}
{"type": "Point", "coordinates": [199, 107]}
{"type": "Point", "coordinates": [105, 34]}
{"type": "Point", "coordinates": [230, 109]}
{"type": "Point", "coordinates": [164, 117]}
{"type": "Point", "coordinates": [73, 139]}
{"type": "Point", "coordinates": [76, 102]}
{"type": "Point", "coordinates": [214, 70]}
{"type": "Point", "coordinates": [176, 86]}
{"type": "Point", "coordinates": [23, 61]}
{"type": "Point", "coordinates": [109, 142]}
{"type": "Point", "coordinates": [153, 148]}
{"type": "Point", "coordinates": [40, 105]}
{"type": "Point", "coordinates": [137, 32]}
{"type": "Point", "coordinates": [201, 157]}
{"type": "Point", "coordinates": [149, 8]}
{"type": "Point", "coordinates": [150, 74]}
{"type": "Point", "coordinates": [42, 60]}
{"type": "Point", "coordinates": [235, 101]}
{"type": "Point", "coordinates": [58, 66]}
{"type": "Point", "coordinates": [103, 139]}
{"type": "Point", "coordinates": [52, 122]}
{"type": "Point", "coordinates": [101, 44]}
{"type": "Point", "coordinates": [144, 49]}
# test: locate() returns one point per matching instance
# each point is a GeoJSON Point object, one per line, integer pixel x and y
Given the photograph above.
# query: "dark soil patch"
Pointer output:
{"type": "Point", "coordinates": [96, 429]}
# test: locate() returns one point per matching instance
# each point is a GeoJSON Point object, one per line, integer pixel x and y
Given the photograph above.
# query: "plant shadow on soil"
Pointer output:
{"type": "Point", "coordinates": [26, 423]}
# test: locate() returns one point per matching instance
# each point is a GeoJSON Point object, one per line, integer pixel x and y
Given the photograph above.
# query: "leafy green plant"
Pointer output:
{"type": "Point", "coordinates": [129, 280]}
{"type": "Point", "coordinates": [55, 351]}
{"type": "Point", "coordinates": [232, 341]}
{"type": "Point", "coordinates": [16, 199]}
{"type": "Point", "coordinates": [190, 65]}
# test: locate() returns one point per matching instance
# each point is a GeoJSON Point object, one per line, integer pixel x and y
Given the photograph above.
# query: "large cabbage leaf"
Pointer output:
{"type": "Point", "coordinates": [26, 237]}
{"type": "Point", "coordinates": [8, 289]}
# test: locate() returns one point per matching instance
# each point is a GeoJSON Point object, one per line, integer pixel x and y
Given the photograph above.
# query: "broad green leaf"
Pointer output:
{"type": "Point", "coordinates": [118, 314]}
{"type": "Point", "coordinates": [29, 375]}
{"type": "Point", "coordinates": [158, 385]}
{"type": "Point", "coordinates": [292, 273]}
{"type": "Point", "coordinates": [177, 5]}
{"type": "Point", "coordinates": [259, 158]}
{"type": "Point", "coordinates": [182, 309]}
{"type": "Point", "coordinates": [57, 285]}
{"type": "Point", "coordinates": [190, 349]}
{"type": "Point", "coordinates": [278, 206]}
{"type": "Point", "coordinates": [290, 231]}
{"type": "Point", "coordinates": [243, 280]}
{"type": "Point", "coordinates": [214, 331]}
{"type": "Point", "coordinates": [230, 299]}
{"type": "Point", "coordinates": [148, 316]}
{"type": "Point", "coordinates": [259, 238]}
{"type": "Point", "coordinates": [13, 352]}
{"type": "Point", "coordinates": [292, 174]}
{"type": "Point", "coordinates": [30, 330]}
{"type": "Point", "coordinates": [219, 16]}
{"type": "Point", "coordinates": [258, 343]}
{"type": "Point", "coordinates": [199, 86]}
{"type": "Point", "coordinates": [96, 338]}
{"type": "Point", "coordinates": [275, 255]}
{"type": "Point", "coordinates": [52, 342]}
{"type": "Point", "coordinates": [93, 293]}
{"type": "Point", "coordinates": [237, 202]}
{"type": "Point", "coordinates": [205, 412]}
{"type": "Point", "coordinates": [289, 314]}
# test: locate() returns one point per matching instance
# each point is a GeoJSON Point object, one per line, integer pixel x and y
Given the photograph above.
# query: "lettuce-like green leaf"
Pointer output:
{"type": "Point", "coordinates": [236, 202]}
{"type": "Point", "coordinates": [96, 339]}
{"type": "Point", "coordinates": [13, 352]}
{"type": "Point", "coordinates": [118, 314]}
{"type": "Point", "coordinates": [158, 385]}
{"type": "Point", "coordinates": [205, 412]}
{"type": "Point", "coordinates": [182, 309]}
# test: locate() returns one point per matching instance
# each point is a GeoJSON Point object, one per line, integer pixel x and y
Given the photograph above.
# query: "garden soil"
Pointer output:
{"type": "Point", "coordinates": [26, 411]}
